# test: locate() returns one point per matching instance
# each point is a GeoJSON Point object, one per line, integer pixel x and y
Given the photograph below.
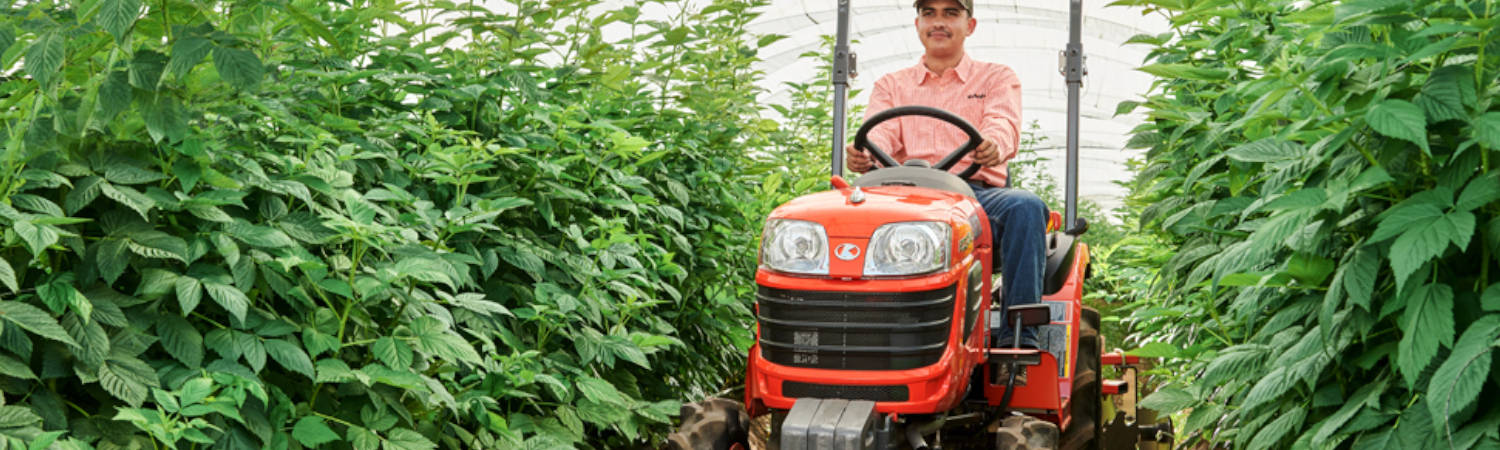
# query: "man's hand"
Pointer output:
{"type": "Point", "coordinates": [988, 154]}
{"type": "Point", "coordinates": [856, 160]}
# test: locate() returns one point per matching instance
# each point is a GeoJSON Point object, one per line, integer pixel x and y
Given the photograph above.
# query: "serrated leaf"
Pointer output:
{"type": "Point", "coordinates": [599, 390]}
{"type": "Point", "coordinates": [17, 416]}
{"type": "Point", "coordinates": [392, 352]}
{"type": "Point", "coordinates": [8, 276]}
{"type": "Point", "coordinates": [146, 68]}
{"type": "Point", "coordinates": [37, 237]}
{"type": "Point", "coordinates": [1185, 71]}
{"type": "Point", "coordinates": [45, 57]}
{"type": "Point", "coordinates": [447, 345]}
{"type": "Point", "coordinates": [1442, 97]}
{"type": "Point", "coordinates": [228, 297]}
{"type": "Point", "coordinates": [127, 379]}
{"type": "Point", "coordinates": [189, 293]}
{"type": "Point", "coordinates": [404, 439]}
{"type": "Point", "coordinates": [157, 245]}
{"type": "Point", "coordinates": [128, 174]}
{"type": "Point", "coordinates": [241, 68]}
{"type": "Point", "coordinates": [1460, 378]}
{"type": "Point", "coordinates": [1267, 150]}
{"type": "Point", "coordinates": [131, 198]}
{"type": "Point", "coordinates": [115, 94]}
{"type": "Point", "coordinates": [1359, 277]}
{"type": "Point", "coordinates": [180, 339]}
{"type": "Point", "coordinates": [1426, 325]}
{"type": "Point", "coordinates": [290, 356]}
{"type": "Point", "coordinates": [251, 348]}
{"type": "Point", "coordinates": [111, 257]}
{"type": "Point", "coordinates": [1272, 433]}
{"type": "Point", "coordinates": [1401, 120]}
{"type": "Point", "coordinates": [116, 16]}
{"type": "Point", "coordinates": [11, 367]}
{"type": "Point", "coordinates": [165, 119]}
{"type": "Point", "coordinates": [186, 53]}
{"type": "Point", "coordinates": [33, 319]}
{"type": "Point", "coordinates": [258, 236]}
{"type": "Point", "coordinates": [1481, 191]}
{"type": "Point", "coordinates": [196, 390]}
{"type": "Point", "coordinates": [1487, 130]}
{"type": "Point", "coordinates": [93, 341]}
{"type": "Point", "coordinates": [363, 439]}
{"type": "Point", "coordinates": [312, 432]}
{"type": "Point", "coordinates": [1168, 400]}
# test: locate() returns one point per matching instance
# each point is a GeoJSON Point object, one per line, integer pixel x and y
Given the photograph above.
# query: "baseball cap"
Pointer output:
{"type": "Point", "coordinates": [968, 4]}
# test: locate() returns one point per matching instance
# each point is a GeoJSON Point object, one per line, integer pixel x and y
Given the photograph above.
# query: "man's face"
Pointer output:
{"type": "Point", "coordinates": [943, 25]}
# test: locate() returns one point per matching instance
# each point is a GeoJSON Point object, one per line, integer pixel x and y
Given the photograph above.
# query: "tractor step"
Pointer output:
{"type": "Point", "coordinates": [1115, 387]}
{"type": "Point", "coordinates": [1119, 359]}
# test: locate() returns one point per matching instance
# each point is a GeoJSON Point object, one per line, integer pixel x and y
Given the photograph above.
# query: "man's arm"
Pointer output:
{"type": "Point", "coordinates": [1002, 117]}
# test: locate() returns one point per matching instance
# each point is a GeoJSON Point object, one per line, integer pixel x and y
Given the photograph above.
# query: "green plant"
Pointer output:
{"type": "Point", "coordinates": [283, 224]}
{"type": "Point", "coordinates": [1321, 174]}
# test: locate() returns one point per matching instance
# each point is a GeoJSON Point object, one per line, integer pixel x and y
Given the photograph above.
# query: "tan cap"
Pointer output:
{"type": "Point", "coordinates": [968, 4]}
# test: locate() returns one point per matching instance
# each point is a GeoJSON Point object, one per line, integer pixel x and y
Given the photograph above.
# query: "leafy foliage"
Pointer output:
{"type": "Point", "coordinates": [298, 224]}
{"type": "Point", "coordinates": [1319, 178]}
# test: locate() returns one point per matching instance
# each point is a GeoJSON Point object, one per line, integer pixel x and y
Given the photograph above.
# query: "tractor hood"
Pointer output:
{"type": "Point", "coordinates": [844, 217]}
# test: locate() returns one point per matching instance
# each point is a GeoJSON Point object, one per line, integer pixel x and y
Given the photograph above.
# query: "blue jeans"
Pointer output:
{"type": "Point", "coordinates": [1018, 220]}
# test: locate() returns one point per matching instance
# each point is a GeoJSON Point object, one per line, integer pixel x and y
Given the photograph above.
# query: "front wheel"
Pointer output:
{"type": "Point", "coordinates": [713, 424]}
{"type": "Point", "coordinates": [1026, 433]}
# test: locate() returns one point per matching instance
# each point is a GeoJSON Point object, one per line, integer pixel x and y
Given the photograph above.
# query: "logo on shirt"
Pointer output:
{"type": "Point", "coordinates": [976, 96]}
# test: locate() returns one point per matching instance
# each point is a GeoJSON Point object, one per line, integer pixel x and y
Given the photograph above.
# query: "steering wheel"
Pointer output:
{"type": "Point", "coordinates": [861, 138]}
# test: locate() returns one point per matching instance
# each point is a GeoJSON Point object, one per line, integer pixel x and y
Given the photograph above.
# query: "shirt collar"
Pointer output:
{"type": "Point", "coordinates": [964, 69]}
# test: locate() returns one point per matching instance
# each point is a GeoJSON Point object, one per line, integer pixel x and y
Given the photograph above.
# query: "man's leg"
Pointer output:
{"type": "Point", "coordinates": [1019, 222]}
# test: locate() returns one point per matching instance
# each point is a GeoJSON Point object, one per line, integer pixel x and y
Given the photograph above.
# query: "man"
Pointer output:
{"type": "Point", "coordinates": [989, 97]}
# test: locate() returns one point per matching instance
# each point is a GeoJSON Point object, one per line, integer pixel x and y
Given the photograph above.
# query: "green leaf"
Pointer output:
{"type": "Point", "coordinates": [195, 390]}
{"type": "Point", "coordinates": [1168, 400]}
{"type": "Point", "coordinates": [165, 119]}
{"type": "Point", "coordinates": [1427, 324]}
{"type": "Point", "coordinates": [11, 367]}
{"type": "Point", "coordinates": [131, 198]}
{"type": "Point", "coordinates": [189, 293]}
{"type": "Point", "coordinates": [186, 53]}
{"type": "Point", "coordinates": [146, 68]}
{"type": "Point", "coordinates": [8, 276]}
{"type": "Point", "coordinates": [404, 439]}
{"type": "Point", "coordinates": [1185, 71]}
{"type": "Point", "coordinates": [1359, 277]}
{"type": "Point", "coordinates": [312, 432]}
{"type": "Point", "coordinates": [1442, 96]}
{"type": "Point", "coordinates": [1273, 432]}
{"type": "Point", "coordinates": [228, 297]}
{"type": "Point", "coordinates": [1481, 191]}
{"type": "Point", "coordinates": [1428, 239]}
{"type": "Point", "coordinates": [600, 391]}
{"type": "Point", "coordinates": [45, 57]}
{"type": "Point", "coordinates": [252, 349]}
{"type": "Point", "coordinates": [93, 342]}
{"type": "Point", "coordinates": [180, 339]}
{"type": "Point", "coordinates": [83, 193]}
{"type": "Point", "coordinates": [127, 379]}
{"type": "Point", "coordinates": [157, 245]}
{"type": "Point", "coordinates": [363, 439]}
{"type": "Point", "coordinates": [32, 319]}
{"type": "Point", "coordinates": [1267, 150]}
{"type": "Point", "coordinates": [17, 416]}
{"type": "Point", "coordinates": [1460, 378]}
{"type": "Point", "coordinates": [1400, 119]}
{"type": "Point", "coordinates": [7, 38]}
{"type": "Point", "coordinates": [115, 94]}
{"type": "Point", "coordinates": [37, 237]}
{"type": "Point", "coordinates": [1368, 394]}
{"type": "Point", "coordinates": [445, 344]}
{"type": "Point", "coordinates": [116, 16]}
{"type": "Point", "coordinates": [238, 67]}
{"type": "Point", "coordinates": [393, 352]}
{"type": "Point", "coordinates": [1487, 130]}
{"type": "Point", "coordinates": [258, 236]}
{"type": "Point", "coordinates": [290, 356]}
{"type": "Point", "coordinates": [111, 257]}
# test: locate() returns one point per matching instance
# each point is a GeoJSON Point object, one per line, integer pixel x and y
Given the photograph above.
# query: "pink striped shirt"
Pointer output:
{"type": "Point", "coordinates": [988, 95]}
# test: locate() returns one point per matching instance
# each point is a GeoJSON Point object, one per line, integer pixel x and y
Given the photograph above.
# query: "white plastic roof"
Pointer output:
{"type": "Point", "coordinates": [1027, 35]}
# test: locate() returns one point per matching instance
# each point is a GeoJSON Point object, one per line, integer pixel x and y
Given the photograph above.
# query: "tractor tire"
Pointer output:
{"type": "Point", "coordinates": [713, 424]}
{"type": "Point", "coordinates": [1026, 433]}
{"type": "Point", "coordinates": [1087, 400]}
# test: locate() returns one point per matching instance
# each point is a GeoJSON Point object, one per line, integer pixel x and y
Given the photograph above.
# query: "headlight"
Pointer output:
{"type": "Point", "coordinates": [795, 246]}
{"type": "Point", "coordinates": [908, 248]}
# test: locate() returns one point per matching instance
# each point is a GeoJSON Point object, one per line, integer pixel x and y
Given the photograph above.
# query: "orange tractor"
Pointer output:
{"type": "Point", "coordinates": [876, 303]}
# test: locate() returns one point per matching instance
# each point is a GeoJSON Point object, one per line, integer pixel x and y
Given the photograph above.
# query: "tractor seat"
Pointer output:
{"type": "Point", "coordinates": [917, 174]}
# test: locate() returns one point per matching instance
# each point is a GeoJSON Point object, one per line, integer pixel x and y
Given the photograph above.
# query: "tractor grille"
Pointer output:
{"type": "Point", "coordinates": [882, 393]}
{"type": "Point", "coordinates": [854, 330]}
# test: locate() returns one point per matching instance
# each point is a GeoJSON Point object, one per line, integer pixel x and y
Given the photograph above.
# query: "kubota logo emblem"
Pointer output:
{"type": "Point", "coordinates": [846, 252]}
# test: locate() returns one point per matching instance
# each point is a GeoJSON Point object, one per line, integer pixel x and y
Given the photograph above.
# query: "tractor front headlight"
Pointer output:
{"type": "Point", "coordinates": [908, 248]}
{"type": "Point", "coordinates": [794, 246]}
